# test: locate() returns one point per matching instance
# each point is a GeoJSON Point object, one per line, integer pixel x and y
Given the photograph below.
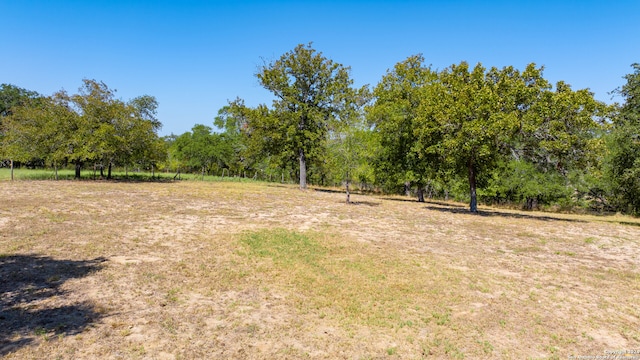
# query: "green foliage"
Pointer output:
{"type": "Point", "coordinates": [91, 126]}
{"type": "Point", "coordinates": [12, 97]}
{"type": "Point", "coordinates": [520, 181]}
{"type": "Point", "coordinates": [563, 130]}
{"type": "Point", "coordinates": [478, 116]}
{"type": "Point", "coordinates": [504, 135]}
{"type": "Point", "coordinates": [201, 149]}
{"type": "Point", "coordinates": [401, 156]}
{"type": "Point", "coordinates": [141, 144]}
{"type": "Point", "coordinates": [436, 127]}
{"type": "Point", "coordinates": [313, 95]}
{"type": "Point", "coordinates": [232, 120]}
{"type": "Point", "coordinates": [350, 156]}
{"type": "Point", "coordinates": [623, 163]}
{"type": "Point", "coordinates": [39, 129]}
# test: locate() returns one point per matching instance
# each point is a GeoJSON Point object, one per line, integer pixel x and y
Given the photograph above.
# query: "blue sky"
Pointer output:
{"type": "Point", "coordinates": [193, 56]}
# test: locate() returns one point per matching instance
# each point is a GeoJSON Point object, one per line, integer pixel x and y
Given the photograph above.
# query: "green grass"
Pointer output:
{"type": "Point", "coordinates": [354, 283]}
{"type": "Point", "coordinates": [34, 174]}
{"type": "Point", "coordinates": [119, 174]}
{"type": "Point", "coordinates": [287, 249]}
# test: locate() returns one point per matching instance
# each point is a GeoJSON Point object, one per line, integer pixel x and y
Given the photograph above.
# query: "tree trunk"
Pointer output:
{"type": "Point", "coordinates": [528, 204]}
{"type": "Point", "coordinates": [101, 171]}
{"type": "Point", "coordinates": [11, 161]}
{"type": "Point", "coordinates": [346, 185]}
{"type": "Point", "coordinates": [55, 170]}
{"type": "Point", "coordinates": [473, 207]}
{"type": "Point", "coordinates": [446, 195]}
{"type": "Point", "coordinates": [347, 182]}
{"type": "Point", "coordinates": [78, 167]}
{"type": "Point", "coordinates": [531, 203]}
{"type": "Point", "coordinates": [203, 173]}
{"type": "Point", "coordinates": [407, 188]}
{"type": "Point", "coordinates": [303, 170]}
{"type": "Point", "coordinates": [420, 193]}
{"type": "Point", "coordinates": [109, 171]}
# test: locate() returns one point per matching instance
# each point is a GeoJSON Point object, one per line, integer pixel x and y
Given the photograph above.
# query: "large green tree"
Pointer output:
{"type": "Point", "coordinates": [467, 117]}
{"type": "Point", "coordinates": [477, 120]}
{"type": "Point", "coordinates": [562, 140]}
{"type": "Point", "coordinates": [112, 131]}
{"type": "Point", "coordinates": [623, 164]}
{"type": "Point", "coordinates": [402, 159]}
{"type": "Point", "coordinates": [312, 93]}
{"type": "Point", "coordinates": [102, 114]}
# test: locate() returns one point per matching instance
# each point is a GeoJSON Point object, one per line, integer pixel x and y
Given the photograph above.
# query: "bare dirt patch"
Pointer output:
{"type": "Point", "coordinates": [165, 271]}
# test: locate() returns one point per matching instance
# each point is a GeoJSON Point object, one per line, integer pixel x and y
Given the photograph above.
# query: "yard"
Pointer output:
{"type": "Point", "coordinates": [191, 270]}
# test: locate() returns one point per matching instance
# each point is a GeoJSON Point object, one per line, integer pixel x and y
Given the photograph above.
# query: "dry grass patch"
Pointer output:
{"type": "Point", "coordinates": [248, 270]}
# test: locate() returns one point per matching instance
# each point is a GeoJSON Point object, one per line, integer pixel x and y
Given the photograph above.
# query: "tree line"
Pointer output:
{"type": "Point", "coordinates": [492, 135]}
{"type": "Point", "coordinates": [91, 127]}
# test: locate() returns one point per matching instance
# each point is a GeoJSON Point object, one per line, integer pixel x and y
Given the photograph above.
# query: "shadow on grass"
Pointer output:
{"type": "Point", "coordinates": [494, 213]}
{"type": "Point", "coordinates": [365, 203]}
{"type": "Point", "coordinates": [332, 191]}
{"type": "Point", "coordinates": [629, 223]}
{"type": "Point", "coordinates": [342, 191]}
{"type": "Point", "coordinates": [131, 178]}
{"type": "Point", "coordinates": [427, 201]}
{"type": "Point", "coordinates": [401, 200]}
{"type": "Point", "coordinates": [33, 302]}
{"type": "Point", "coordinates": [139, 179]}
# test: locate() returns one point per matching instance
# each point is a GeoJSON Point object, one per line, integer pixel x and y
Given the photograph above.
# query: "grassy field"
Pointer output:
{"type": "Point", "coordinates": [230, 270]}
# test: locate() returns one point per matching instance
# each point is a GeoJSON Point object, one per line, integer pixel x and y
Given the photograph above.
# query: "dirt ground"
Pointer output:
{"type": "Point", "coordinates": [120, 270]}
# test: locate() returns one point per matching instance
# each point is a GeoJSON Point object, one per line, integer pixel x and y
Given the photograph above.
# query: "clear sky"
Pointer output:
{"type": "Point", "coordinates": [193, 55]}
